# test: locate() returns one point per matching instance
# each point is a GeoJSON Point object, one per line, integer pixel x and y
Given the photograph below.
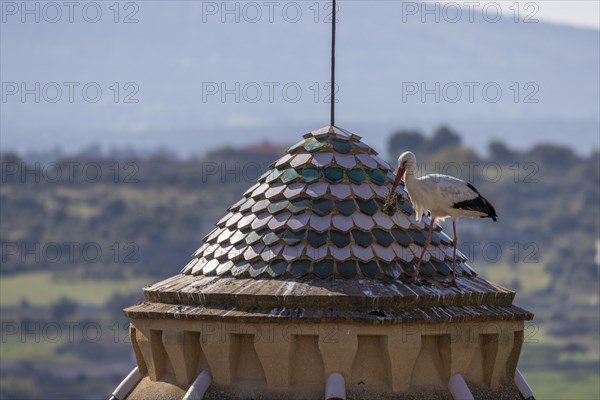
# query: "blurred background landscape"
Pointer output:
{"type": "Point", "coordinates": [106, 193]}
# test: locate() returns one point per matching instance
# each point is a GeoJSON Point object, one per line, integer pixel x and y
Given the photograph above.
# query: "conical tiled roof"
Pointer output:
{"type": "Point", "coordinates": [318, 212]}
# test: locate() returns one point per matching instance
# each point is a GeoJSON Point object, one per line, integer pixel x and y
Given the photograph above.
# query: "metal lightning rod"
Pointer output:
{"type": "Point", "coordinates": [333, 17]}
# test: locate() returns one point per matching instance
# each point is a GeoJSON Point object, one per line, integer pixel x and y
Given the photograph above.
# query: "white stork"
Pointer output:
{"type": "Point", "coordinates": [443, 196]}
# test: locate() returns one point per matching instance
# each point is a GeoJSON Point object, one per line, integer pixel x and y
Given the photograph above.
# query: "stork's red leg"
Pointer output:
{"type": "Point", "coordinates": [413, 278]}
{"type": "Point", "coordinates": [455, 241]}
{"type": "Point", "coordinates": [454, 253]}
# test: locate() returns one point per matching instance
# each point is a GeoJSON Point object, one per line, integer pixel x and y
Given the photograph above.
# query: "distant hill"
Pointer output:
{"type": "Point", "coordinates": [177, 47]}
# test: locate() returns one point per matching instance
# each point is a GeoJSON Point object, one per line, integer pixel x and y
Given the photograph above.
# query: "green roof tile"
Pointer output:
{"type": "Point", "coordinates": [368, 207]}
{"type": "Point", "coordinates": [340, 239]}
{"type": "Point", "coordinates": [377, 176]}
{"type": "Point", "coordinates": [443, 268]}
{"type": "Point", "coordinates": [357, 175]}
{"type": "Point", "coordinates": [382, 237]}
{"type": "Point", "coordinates": [345, 207]}
{"type": "Point", "coordinates": [289, 175]}
{"type": "Point", "coordinates": [313, 144]}
{"type": "Point", "coordinates": [334, 174]}
{"type": "Point", "coordinates": [341, 146]}
{"type": "Point", "coordinates": [427, 269]}
{"type": "Point", "coordinates": [369, 269]}
{"type": "Point", "coordinates": [323, 268]}
{"type": "Point", "coordinates": [418, 236]}
{"type": "Point", "coordinates": [435, 237]}
{"type": "Point", "coordinates": [347, 269]}
{"type": "Point", "coordinates": [401, 237]}
{"type": "Point", "coordinates": [363, 239]}
{"type": "Point", "coordinates": [316, 239]}
{"type": "Point", "coordinates": [322, 206]}
{"type": "Point", "coordinates": [277, 267]}
{"type": "Point", "coordinates": [405, 206]}
{"type": "Point", "coordinates": [310, 174]}
{"type": "Point", "coordinates": [299, 268]}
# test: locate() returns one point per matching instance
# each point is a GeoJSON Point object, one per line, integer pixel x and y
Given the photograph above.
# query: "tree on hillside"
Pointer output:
{"type": "Point", "coordinates": [443, 138]}
{"type": "Point", "coordinates": [412, 140]}
{"type": "Point", "coordinates": [63, 308]}
{"type": "Point", "coordinates": [406, 140]}
{"type": "Point", "coordinates": [553, 155]}
{"type": "Point", "coordinates": [500, 152]}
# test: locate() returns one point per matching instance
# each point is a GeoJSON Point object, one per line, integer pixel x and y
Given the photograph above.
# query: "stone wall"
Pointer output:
{"type": "Point", "coordinates": [286, 357]}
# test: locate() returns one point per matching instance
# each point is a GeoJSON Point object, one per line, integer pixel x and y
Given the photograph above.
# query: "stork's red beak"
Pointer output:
{"type": "Point", "coordinates": [399, 176]}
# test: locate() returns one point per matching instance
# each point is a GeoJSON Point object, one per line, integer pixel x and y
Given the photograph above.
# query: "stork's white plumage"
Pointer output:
{"type": "Point", "coordinates": [443, 196]}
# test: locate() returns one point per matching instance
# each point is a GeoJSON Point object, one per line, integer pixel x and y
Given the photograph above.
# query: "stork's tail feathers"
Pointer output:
{"type": "Point", "coordinates": [479, 204]}
{"type": "Point", "coordinates": [491, 211]}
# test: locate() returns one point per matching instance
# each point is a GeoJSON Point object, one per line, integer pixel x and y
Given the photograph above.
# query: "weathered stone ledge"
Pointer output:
{"type": "Point", "coordinates": [340, 294]}
{"type": "Point", "coordinates": [374, 316]}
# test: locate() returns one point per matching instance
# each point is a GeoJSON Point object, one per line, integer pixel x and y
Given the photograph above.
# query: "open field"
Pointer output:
{"type": "Point", "coordinates": [555, 385]}
{"type": "Point", "coordinates": [43, 288]}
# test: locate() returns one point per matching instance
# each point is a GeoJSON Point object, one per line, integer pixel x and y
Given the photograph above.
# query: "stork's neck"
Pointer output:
{"type": "Point", "coordinates": [409, 178]}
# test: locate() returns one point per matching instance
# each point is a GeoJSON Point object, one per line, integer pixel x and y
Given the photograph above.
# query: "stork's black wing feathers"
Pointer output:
{"type": "Point", "coordinates": [478, 203]}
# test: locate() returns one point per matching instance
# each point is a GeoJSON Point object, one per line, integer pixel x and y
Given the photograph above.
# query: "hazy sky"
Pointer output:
{"type": "Point", "coordinates": [578, 13]}
{"type": "Point", "coordinates": [545, 75]}
{"type": "Point", "coordinates": [582, 13]}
